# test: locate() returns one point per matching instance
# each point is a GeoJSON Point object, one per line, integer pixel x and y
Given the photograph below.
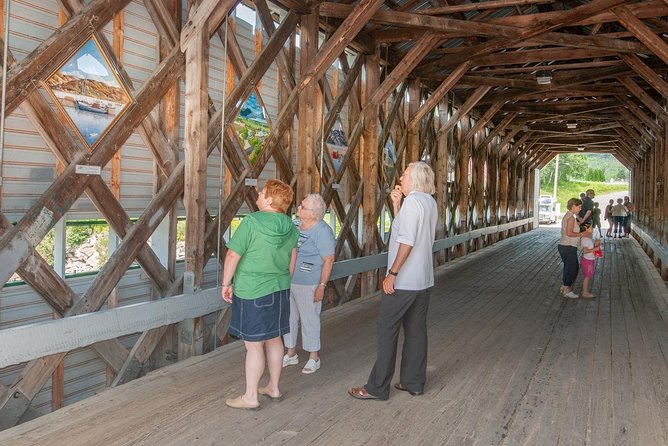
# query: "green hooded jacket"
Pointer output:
{"type": "Point", "coordinates": [265, 241]}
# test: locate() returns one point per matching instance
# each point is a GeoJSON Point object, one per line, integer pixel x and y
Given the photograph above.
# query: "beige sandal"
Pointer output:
{"type": "Point", "coordinates": [239, 403]}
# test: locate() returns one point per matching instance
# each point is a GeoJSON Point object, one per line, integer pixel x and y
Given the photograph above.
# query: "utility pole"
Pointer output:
{"type": "Point", "coordinates": [556, 176]}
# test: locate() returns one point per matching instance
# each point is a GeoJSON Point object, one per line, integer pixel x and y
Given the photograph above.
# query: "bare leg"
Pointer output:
{"type": "Point", "coordinates": [254, 369]}
{"type": "Point", "coordinates": [274, 349]}
{"type": "Point", "coordinates": [313, 356]}
{"type": "Point", "coordinates": [292, 351]}
{"type": "Point", "coordinates": [585, 286]}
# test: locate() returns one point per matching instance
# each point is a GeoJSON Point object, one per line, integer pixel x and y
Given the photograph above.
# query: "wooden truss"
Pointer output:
{"type": "Point", "coordinates": [455, 89]}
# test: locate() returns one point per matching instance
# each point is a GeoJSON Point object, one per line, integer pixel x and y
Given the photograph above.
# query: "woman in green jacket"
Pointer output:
{"type": "Point", "coordinates": [256, 281]}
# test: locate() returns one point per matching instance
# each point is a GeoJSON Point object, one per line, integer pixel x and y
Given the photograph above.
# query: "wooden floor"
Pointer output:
{"type": "Point", "coordinates": [510, 363]}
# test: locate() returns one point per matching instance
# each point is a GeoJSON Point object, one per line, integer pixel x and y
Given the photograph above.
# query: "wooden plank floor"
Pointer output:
{"type": "Point", "coordinates": [510, 363]}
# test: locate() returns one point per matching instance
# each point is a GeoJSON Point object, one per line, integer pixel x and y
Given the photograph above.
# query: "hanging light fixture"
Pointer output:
{"type": "Point", "coordinates": [571, 124]}
{"type": "Point", "coordinates": [544, 77]}
{"type": "Point", "coordinates": [581, 148]}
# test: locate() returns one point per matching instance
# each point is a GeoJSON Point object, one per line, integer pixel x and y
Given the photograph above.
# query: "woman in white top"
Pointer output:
{"type": "Point", "coordinates": [568, 247]}
{"type": "Point", "coordinates": [619, 215]}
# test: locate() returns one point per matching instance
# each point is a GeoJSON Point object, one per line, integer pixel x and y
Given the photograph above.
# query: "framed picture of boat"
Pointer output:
{"type": "Point", "coordinates": [89, 91]}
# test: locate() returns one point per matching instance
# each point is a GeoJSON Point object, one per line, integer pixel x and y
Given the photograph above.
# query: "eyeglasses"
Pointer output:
{"type": "Point", "coordinates": [305, 209]}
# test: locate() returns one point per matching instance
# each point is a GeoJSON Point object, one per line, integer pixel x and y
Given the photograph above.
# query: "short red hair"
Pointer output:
{"type": "Point", "coordinates": [280, 193]}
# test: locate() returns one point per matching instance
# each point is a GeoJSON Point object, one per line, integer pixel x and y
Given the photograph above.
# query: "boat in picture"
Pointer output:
{"type": "Point", "coordinates": [94, 108]}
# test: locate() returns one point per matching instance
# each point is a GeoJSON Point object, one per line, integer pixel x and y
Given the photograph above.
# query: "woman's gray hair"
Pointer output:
{"type": "Point", "coordinates": [422, 177]}
{"type": "Point", "coordinates": [319, 206]}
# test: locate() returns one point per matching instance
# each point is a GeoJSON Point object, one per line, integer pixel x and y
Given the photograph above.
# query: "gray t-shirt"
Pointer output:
{"type": "Point", "coordinates": [414, 225]}
{"type": "Point", "coordinates": [314, 244]}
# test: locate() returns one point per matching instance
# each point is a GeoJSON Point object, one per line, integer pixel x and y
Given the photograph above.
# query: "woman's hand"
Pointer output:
{"type": "Point", "coordinates": [319, 293]}
{"type": "Point", "coordinates": [396, 195]}
{"type": "Point", "coordinates": [388, 284]}
{"type": "Point", "coordinates": [227, 293]}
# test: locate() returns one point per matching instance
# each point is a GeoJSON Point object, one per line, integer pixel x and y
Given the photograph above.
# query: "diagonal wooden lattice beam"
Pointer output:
{"type": "Point", "coordinates": [436, 96]}
{"type": "Point", "coordinates": [16, 244]}
{"type": "Point", "coordinates": [51, 127]}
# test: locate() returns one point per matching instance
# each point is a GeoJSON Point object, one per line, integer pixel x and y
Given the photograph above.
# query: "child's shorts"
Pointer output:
{"type": "Point", "coordinates": [588, 266]}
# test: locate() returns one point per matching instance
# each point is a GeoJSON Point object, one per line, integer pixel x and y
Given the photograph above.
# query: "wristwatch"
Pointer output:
{"type": "Point", "coordinates": [392, 273]}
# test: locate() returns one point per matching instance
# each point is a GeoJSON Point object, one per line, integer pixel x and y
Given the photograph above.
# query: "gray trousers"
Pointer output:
{"type": "Point", "coordinates": [407, 308]}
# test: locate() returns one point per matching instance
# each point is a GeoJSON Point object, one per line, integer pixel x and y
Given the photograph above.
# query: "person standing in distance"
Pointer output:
{"type": "Point", "coordinates": [587, 209]}
{"type": "Point", "coordinates": [406, 288]}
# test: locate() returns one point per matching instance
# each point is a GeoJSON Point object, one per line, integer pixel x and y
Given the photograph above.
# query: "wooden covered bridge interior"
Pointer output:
{"type": "Point", "coordinates": [130, 112]}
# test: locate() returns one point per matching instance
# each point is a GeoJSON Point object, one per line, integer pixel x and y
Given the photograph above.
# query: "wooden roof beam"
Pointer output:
{"type": "Point", "coordinates": [207, 16]}
{"type": "Point", "coordinates": [491, 4]}
{"type": "Point", "coordinates": [562, 19]}
{"type": "Point", "coordinates": [539, 55]}
{"type": "Point", "coordinates": [641, 10]}
{"type": "Point", "coordinates": [496, 131]}
{"type": "Point", "coordinates": [471, 101]}
{"type": "Point", "coordinates": [649, 75]}
{"type": "Point", "coordinates": [642, 32]}
{"type": "Point", "coordinates": [553, 67]}
{"type": "Point", "coordinates": [438, 94]}
{"type": "Point", "coordinates": [636, 123]}
{"type": "Point", "coordinates": [635, 109]}
{"type": "Point", "coordinates": [337, 42]}
{"type": "Point", "coordinates": [639, 93]}
{"type": "Point", "coordinates": [412, 20]}
{"type": "Point", "coordinates": [404, 68]}
{"type": "Point", "coordinates": [483, 121]}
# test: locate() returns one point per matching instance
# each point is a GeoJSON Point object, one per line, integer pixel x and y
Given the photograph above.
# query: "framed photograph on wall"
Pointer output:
{"type": "Point", "coordinates": [89, 91]}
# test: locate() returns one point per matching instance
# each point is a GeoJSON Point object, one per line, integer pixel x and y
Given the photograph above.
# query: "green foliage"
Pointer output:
{"type": "Point", "coordinates": [611, 167]}
{"type": "Point", "coordinates": [77, 235]}
{"type": "Point", "coordinates": [252, 134]}
{"type": "Point", "coordinates": [102, 245]}
{"type": "Point", "coordinates": [572, 166]}
{"type": "Point", "coordinates": [595, 175]}
{"type": "Point", "coordinates": [622, 174]}
{"type": "Point", "coordinates": [45, 248]}
{"type": "Point", "coordinates": [256, 143]}
{"type": "Point", "coordinates": [181, 231]}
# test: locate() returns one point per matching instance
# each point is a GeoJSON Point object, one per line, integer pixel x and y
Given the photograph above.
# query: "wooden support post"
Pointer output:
{"type": "Point", "coordinates": [413, 143]}
{"type": "Point", "coordinates": [283, 95]}
{"type": "Point", "coordinates": [441, 173]}
{"type": "Point", "coordinates": [169, 111]}
{"type": "Point", "coordinates": [115, 180]}
{"type": "Point", "coordinates": [307, 108]}
{"type": "Point", "coordinates": [195, 148]}
{"type": "Point", "coordinates": [478, 184]}
{"type": "Point", "coordinates": [369, 155]}
{"type": "Point", "coordinates": [464, 191]}
{"type": "Point", "coordinates": [503, 192]}
{"type": "Point", "coordinates": [512, 194]}
{"type": "Point", "coordinates": [493, 187]}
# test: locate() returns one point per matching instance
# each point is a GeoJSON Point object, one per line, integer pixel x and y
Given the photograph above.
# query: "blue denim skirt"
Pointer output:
{"type": "Point", "coordinates": [263, 318]}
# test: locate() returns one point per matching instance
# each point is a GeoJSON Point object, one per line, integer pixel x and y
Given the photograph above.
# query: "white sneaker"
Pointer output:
{"type": "Point", "coordinates": [571, 295]}
{"type": "Point", "coordinates": [311, 366]}
{"type": "Point", "coordinates": [290, 360]}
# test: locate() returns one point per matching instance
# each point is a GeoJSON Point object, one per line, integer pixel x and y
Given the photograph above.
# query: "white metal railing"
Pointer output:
{"type": "Point", "coordinates": [32, 341]}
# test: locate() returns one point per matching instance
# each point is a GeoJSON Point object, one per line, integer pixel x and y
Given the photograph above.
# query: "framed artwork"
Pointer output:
{"type": "Point", "coordinates": [337, 144]}
{"type": "Point", "coordinates": [252, 128]}
{"type": "Point", "coordinates": [88, 89]}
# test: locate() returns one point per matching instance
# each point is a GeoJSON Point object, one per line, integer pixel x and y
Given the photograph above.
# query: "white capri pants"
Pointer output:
{"type": "Point", "coordinates": [302, 308]}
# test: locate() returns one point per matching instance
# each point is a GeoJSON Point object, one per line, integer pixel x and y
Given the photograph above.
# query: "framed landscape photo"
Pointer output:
{"type": "Point", "coordinates": [89, 91]}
